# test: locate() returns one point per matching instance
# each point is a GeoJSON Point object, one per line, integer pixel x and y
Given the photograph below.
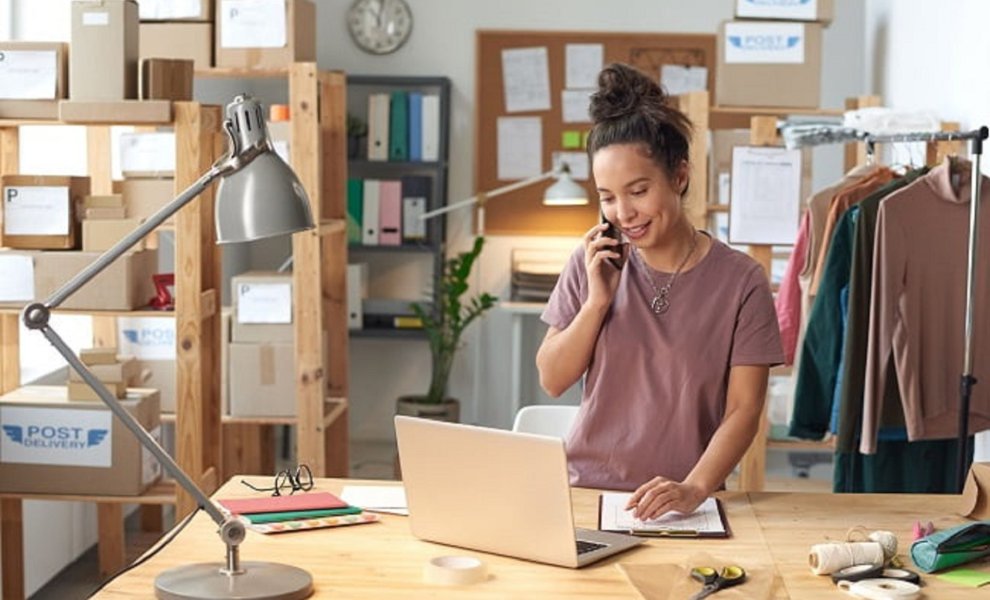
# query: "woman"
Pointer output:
{"type": "Point", "coordinates": [676, 345]}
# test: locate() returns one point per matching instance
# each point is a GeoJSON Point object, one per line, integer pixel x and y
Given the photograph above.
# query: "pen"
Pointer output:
{"type": "Point", "coordinates": [665, 532]}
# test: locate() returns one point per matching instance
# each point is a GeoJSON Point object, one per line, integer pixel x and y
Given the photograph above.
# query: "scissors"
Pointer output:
{"type": "Point", "coordinates": [712, 582]}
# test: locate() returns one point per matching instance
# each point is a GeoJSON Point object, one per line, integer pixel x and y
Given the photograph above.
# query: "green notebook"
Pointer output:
{"type": "Point", "coordinates": [278, 517]}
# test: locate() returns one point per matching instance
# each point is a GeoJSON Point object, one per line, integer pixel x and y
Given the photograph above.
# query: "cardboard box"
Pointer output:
{"type": "Point", "coordinates": [262, 307]}
{"type": "Point", "coordinates": [124, 112]}
{"type": "Point", "coordinates": [145, 197]}
{"type": "Point", "coordinates": [104, 201]}
{"type": "Point", "coordinates": [99, 235]}
{"type": "Point", "coordinates": [262, 380]}
{"type": "Point", "coordinates": [147, 154]}
{"type": "Point", "coordinates": [125, 285]}
{"type": "Point", "coordinates": [170, 10]}
{"type": "Point", "coordinates": [193, 41]}
{"type": "Point", "coordinates": [41, 212]}
{"type": "Point", "coordinates": [720, 165]}
{"type": "Point", "coordinates": [255, 41]}
{"type": "Point", "coordinates": [976, 492]}
{"type": "Point", "coordinates": [99, 213]}
{"type": "Point", "coordinates": [124, 369]}
{"type": "Point", "coordinates": [166, 79]}
{"type": "Point", "coordinates": [34, 70]}
{"type": "Point", "coordinates": [29, 109]}
{"type": "Point", "coordinates": [226, 313]}
{"type": "Point", "coordinates": [787, 10]}
{"type": "Point", "coordinates": [104, 58]}
{"type": "Point", "coordinates": [767, 63]}
{"type": "Point", "coordinates": [98, 356]}
{"type": "Point", "coordinates": [52, 445]}
{"type": "Point", "coordinates": [79, 391]}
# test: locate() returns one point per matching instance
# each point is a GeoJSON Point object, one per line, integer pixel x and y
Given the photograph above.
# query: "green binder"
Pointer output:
{"type": "Point", "coordinates": [355, 208]}
{"type": "Point", "coordinates": [398, 126]}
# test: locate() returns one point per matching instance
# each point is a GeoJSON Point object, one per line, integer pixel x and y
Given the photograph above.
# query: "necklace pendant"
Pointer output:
{"type": "Point", "coordinates": [660, 303]}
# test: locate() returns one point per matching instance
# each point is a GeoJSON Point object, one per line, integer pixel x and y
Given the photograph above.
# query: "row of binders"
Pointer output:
{"type": "Point", "coordinates": [387, 212]}
{"type": "Point", "coordinates": [404, 126]}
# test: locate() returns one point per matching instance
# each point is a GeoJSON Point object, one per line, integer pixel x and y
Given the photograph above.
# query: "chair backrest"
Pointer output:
{"type": "Point", "coordinates": [545, 419]}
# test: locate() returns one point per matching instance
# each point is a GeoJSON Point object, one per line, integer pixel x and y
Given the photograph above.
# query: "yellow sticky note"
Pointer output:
{"type": "Point", "coordinates": [570, 140]}
{"type": "Point", "coordinates": [967, 577]}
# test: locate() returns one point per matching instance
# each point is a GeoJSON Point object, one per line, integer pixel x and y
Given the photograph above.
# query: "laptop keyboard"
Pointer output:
{"type": "Point", "coordinates": [584, 547]}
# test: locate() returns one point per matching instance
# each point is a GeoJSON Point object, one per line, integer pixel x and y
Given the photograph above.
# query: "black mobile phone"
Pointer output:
{"type": "Point", "coordinates": [622, 248]}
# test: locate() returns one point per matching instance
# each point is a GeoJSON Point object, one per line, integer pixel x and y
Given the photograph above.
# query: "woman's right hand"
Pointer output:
{"type": "Point", "coordinates": [603, 277]}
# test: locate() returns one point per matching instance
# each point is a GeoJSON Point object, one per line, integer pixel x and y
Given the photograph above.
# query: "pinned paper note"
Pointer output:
{"type": "Point", "coordinates": [252, 23]}
{"type": "Point", "coordinates": [583, 62]}
{"type": "Point", "coordinates": [577, 162]}
{"type": "Point", "coordinates": [264, 302]}
{"type": "Point", "coordinates": [520, 147]}
{"type": "Point", "coordinates": [16, 277]}
{"type": "Point", "coordinates": [526, 79]}
{"type": "Point", "coordinates": [166, 10]}
{"type": "Point", "coordinates": [28, 74]}
{"type": "Point", "coordinates": [147, 153]}
{"type": "Point", "coordinates": [36, 210]}
{"type": "Point", "coordinates": [766, 195]}
{"type": "Point", "coordinates": [677, 79]}
{"type": "Point", "coordinates": [571, 140]}
{"type": "Point", "coordinates": [575, 105]}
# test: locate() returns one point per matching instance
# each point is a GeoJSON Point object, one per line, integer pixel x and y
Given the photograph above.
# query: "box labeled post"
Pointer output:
{"type": "Point", "coordinates": [192, 41]}
{"type": "Point", "coordinates": [104, 58]}
{"type": "Point", "coordinates": [40, 212]}
{"type": "Point", "coordinates": [33, 70]}
{"type": "Point", "coordinates": [265, 34]}
{"type": "Point", "coordinates": [52, 445]}
{"type": "Point", "coordinates": [787, 10]}
{"type": "Point", "coordinates": [767, 63]}
{"type": "Point", "coordinates": [262, 307]}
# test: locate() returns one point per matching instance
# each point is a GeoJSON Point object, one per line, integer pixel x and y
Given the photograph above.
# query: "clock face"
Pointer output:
{"type": "Point", "coordinates": [379, 26]}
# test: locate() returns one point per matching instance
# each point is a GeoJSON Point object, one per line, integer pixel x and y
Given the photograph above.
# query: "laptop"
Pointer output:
{"type": "Point", "coordinates": [496, 491]}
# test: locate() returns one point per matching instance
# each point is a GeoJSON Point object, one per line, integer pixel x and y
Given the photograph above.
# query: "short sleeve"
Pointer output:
{"type": "Point", "coordinates": [569, 293]}
{"type": "Point", "coordinates": [756, 339]}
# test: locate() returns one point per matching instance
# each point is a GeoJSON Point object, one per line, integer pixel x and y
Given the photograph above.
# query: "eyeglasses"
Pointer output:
{"type": "Point", "coordinates": [300, 478]}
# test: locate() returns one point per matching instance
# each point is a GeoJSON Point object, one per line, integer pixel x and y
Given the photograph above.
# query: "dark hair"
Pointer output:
{"type": "Point", "coordinates": [631, 108]}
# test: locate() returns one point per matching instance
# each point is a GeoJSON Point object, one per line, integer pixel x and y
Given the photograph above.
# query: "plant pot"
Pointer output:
{"type": "Point", "coordinates": [354, 146]}
{"type": "Point", "coordinates": [413, 406]}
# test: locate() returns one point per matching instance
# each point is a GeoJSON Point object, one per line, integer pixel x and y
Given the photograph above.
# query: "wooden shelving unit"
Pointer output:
{"type": "Point", "coordinates": [197, 314]}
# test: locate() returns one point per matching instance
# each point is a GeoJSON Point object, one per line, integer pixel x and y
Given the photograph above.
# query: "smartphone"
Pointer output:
{"type": "Point", "coordinates": [622, 248]}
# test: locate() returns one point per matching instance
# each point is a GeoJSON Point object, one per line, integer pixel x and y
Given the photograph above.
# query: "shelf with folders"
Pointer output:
{"type": "Point", "coordinates": [397, 170]}
{"type": "Point", "coordinates": [197, 131]}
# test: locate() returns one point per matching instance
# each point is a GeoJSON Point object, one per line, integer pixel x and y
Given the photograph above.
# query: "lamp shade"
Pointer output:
{"type": "Point", "coordinates": [565, 191]}
{"type": "Point", "coordinates": [262, 197]}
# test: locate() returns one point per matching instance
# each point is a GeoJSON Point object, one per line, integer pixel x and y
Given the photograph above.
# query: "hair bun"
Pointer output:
{"type": "Point", "coordinates": [622, 90]}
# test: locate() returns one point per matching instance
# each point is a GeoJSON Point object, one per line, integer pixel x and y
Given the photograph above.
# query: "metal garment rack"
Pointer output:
{"type": "Point", "coordinates": [811, 135]}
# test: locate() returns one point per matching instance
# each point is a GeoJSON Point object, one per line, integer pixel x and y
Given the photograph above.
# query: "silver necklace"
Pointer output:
{"type": "Point", "coordinates": [661, 294]}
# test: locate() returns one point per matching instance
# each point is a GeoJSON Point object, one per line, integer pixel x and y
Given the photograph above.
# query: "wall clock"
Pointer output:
{"type": "Point", "coordinates": [379, 26]}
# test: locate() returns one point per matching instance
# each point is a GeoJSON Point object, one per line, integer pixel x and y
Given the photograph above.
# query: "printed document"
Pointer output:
{"type": "Point", "coordinates": [706, 521]}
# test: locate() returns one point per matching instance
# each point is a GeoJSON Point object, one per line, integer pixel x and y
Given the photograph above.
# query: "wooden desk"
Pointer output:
{"type": "Point", "coordinates": [383, 560]}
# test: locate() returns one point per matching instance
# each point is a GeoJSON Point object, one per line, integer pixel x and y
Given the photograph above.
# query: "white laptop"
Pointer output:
{"type": "Point", "coordinates": [496, 491]}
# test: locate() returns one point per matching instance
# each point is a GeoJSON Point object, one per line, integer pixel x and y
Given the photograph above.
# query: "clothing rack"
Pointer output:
{"type": "Point", "coordinates": [799, 135]}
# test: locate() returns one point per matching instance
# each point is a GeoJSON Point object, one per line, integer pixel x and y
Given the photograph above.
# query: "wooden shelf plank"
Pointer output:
{"type": "Point", "coordinates": [822, 445]}
{"type": "Point", "coordinates": [162, 492]}
{"type": "Point", "coordinates": [333, 407]}
{"type": "Point", "coordinates": [738, 117]}
{"type": "Point", "coordinates": [12, 310]}
{"type": "Point", "coordinates": [239, 73]}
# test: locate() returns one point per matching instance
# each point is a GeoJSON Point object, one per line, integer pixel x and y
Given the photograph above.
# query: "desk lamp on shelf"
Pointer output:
{"type": "Point", "coordinates": [258, 197]}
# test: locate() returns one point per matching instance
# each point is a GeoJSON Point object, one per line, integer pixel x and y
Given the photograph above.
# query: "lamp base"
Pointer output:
{"type": "Point", "coordinates": [258, 581]}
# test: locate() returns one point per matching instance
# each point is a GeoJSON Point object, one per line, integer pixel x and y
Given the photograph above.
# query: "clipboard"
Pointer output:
{"type": "Point", "coordinates": [708, 521]}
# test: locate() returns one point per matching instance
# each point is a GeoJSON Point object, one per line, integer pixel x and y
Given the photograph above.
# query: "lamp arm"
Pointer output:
{"type": "Point", "coordinates": [117, 250]}
{"type": "Point", "coordinates": [505, 189]}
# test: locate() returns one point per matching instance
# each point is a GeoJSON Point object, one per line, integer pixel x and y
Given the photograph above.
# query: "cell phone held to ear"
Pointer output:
{"type": "Point", "coordinates": [623, 248]}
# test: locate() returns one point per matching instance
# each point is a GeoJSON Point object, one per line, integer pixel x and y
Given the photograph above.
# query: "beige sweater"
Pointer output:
{"type": "Point", "coordinates": [917, 312]}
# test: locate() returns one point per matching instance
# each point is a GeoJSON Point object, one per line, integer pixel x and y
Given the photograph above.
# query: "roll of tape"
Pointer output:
{"type": "Point", "coordinates": [901, 574]}
{"type": "Point", "coordinates": [881, 589]}
{"type": "Point", "coordinates": [454, 570]}
{"type": "Point", "coordinates": [857, 572]}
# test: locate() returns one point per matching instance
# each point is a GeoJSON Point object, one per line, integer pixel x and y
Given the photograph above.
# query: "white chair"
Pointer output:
{"type": "Point", "coordinates": [545, 419]}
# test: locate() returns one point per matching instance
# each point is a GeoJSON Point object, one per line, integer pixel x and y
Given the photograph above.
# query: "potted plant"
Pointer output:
{"type": "Point", "coordinates": [444, 327]}
{"type": "Point", "coordinates": [357, 129]}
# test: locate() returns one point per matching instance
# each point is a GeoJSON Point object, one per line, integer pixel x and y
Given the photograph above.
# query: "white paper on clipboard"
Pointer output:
{"type": "Point", "coordinates": [766, 195]}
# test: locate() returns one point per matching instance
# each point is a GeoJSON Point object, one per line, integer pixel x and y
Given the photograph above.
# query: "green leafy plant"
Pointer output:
{"type": "Point", "coordinates": [356, 126]}
{"type": "Point", "coordinates": [445, 325]}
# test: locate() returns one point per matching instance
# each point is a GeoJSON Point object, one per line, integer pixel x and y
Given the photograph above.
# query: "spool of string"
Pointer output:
{"type": "Point", "coordinates": [826, 559]}
{"type": "Point", "coordinates": [886, 539]}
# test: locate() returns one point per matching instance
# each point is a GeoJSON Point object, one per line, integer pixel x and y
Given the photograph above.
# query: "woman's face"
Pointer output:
{"type": "Point", "coordinates": [636, 194]}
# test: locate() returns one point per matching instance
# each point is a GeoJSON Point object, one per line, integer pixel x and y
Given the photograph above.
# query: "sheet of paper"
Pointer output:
{"type": "Point", "coordinates": [252, 23]}
{"type": "Point", "coordinates": [36, 210]}
{"type": "Point", "coordinates": [264, 302]}
{"type": "Point", "coordinates": [582, 64]}
{"type": "Point", "coordinates": [678, 79]}
{"type": "Point", "coordinates": [163, 10]}
{"type": "Point", "coordinates": [377, 498]}
{"type": "Point", "coordinates": [147, 152]}
{"type": "Point", "coordinates": [146, 338]}
{"type": "Point", "coordinates": [615, 517]}
{"type": "Point", "coordinates": [577, 162]}
{"type": "Point", "coordinates": [766, 195]}
{"type": "Point", "coordinates": [27, 74]}
{"type": "Point", "coordinates": [520, 147]}
{"type": "Point", "coordinates": [526, 79]}
{"type": "Point", "coordinates": [17, 283]}
{"type": "Point", "coordinates": [575, 105]}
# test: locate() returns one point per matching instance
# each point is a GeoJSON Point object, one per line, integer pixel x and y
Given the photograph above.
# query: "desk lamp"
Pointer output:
{"type": "Point", "coordinates": [564, 192]}
{"type": "Point", "coordinates": [258, 196]}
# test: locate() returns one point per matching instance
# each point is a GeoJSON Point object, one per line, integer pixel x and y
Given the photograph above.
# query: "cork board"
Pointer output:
{"type": "Point", "coordinates": [522, 212]}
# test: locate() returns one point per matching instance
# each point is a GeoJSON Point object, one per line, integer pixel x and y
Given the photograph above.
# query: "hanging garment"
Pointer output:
{"type": "Point", "coordinates": [898, 468]}
{"type": "Point", "coordinates": [788, 299]}
{"type": "Point", "coordinates": [917, 309]}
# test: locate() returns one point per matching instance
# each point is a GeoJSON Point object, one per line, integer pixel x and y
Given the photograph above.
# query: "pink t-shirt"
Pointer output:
{"type": "Point", "coordinates": [655, 390]}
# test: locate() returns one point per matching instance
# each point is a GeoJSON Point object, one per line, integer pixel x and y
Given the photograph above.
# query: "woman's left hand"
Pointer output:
{"type": "Point", "coordinates": [660, 495]}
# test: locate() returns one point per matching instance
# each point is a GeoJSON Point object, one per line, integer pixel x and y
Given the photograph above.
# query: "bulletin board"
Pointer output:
{"type": "Point", "coordinates": [521, 212]}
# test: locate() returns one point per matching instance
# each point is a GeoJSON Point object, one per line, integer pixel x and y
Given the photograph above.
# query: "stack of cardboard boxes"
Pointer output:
{"type": "Point", "coordinates": [117, 373]}
{"type": "Point", "coordinates": [769, 56]}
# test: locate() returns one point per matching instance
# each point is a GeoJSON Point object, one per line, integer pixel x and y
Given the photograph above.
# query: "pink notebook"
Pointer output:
{"type": "Point", "coordinates": [284, 503]}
